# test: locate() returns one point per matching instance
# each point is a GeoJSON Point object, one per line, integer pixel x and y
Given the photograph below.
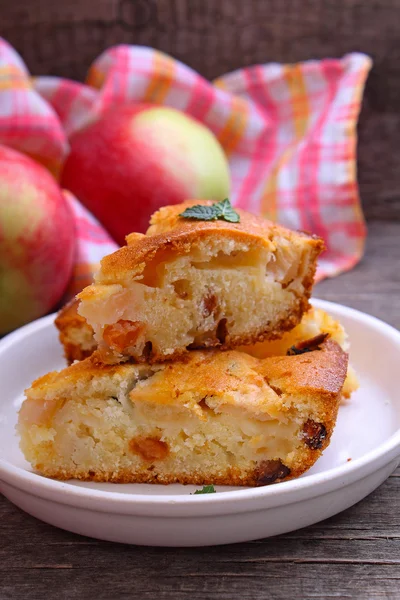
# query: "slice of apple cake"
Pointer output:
{"type": "Point", "coordinates": [213, 417]}
{"type": "Point", "coordinates": [191, 284]}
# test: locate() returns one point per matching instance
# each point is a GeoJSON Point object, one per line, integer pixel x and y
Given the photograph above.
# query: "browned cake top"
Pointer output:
{"type": "Point", "coordinates": [317, 374]}
{"type": "Point", "coordinates": [170, 234]}
{"type": "Point", "coordinates": [68, 316]}
{"type": "Point", "coordinates": [167, 219]}
{"type": "Point", "coordinates": [81, 371]}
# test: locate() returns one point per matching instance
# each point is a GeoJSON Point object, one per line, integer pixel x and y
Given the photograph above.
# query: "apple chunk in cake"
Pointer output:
{"type": "Point", "coordinates": [188, 285]}
{"type": "Point", "coordinates": [214, 417]}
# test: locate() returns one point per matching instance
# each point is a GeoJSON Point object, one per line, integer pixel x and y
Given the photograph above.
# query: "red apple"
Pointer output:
{"type": "Point", "coordinates": [37, 240]}
{"type": "Point", "coordinates": [136, 159]}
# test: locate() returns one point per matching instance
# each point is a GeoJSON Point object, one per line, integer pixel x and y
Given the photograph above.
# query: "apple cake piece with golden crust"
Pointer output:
{"type": "Point", "coordinates": [213, 417]}
{"type": "Point", "coordinates": [198, 284]}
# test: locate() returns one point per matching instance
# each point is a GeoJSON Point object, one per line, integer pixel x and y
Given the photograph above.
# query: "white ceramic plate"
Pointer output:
{"type": "Point", "coordinates": [367, 432]}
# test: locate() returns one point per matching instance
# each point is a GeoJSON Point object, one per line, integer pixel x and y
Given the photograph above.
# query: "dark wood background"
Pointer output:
{"type": "Point", "coordinates": [357, 553]}
{"type": "Point", "coordinates": [217, 36]}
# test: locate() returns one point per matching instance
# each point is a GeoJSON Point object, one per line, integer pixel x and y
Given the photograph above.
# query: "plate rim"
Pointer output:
{"type": "Point", "coordinates": [235, 501]}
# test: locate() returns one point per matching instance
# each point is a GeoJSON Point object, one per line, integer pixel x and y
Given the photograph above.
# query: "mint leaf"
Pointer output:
{"type": "Point", "coordinates": [200, 212]}
{"type": "Point", "coordinates": [226, 211]}
{"type": "Point", "coordinates": [207, 489]}
{"type": "Point", "coordinates": [220, 210]}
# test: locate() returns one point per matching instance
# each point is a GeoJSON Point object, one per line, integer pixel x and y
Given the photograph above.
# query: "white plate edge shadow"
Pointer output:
{"type": "Point", "coordinates": [229, 502]}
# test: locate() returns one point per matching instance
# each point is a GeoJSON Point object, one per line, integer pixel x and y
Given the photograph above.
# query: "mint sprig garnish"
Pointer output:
{"type": "Point", "coordinates": [200, 212]}
{"type": "Point", "coordinates": [206, 489]}
{"type": "Point", "coordinates": [226, 212]}
{"type": "Point", "coordinates": [222, 211]}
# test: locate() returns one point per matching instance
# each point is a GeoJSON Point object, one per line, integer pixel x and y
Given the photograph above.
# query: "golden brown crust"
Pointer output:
{"type": "Point", "coordinates": [75, 334]}
{"type": "Point", "coordinates": [316, 372]}
{"type": "Point", "coordinates": [68, 314]}
{"type": "Point", "coordinates": [82, 370]}
{"type": "Point", "coordinates": [167, 219]}
{"type": "Point", "coordinates": [320, 373]}
{"type": "Point", "coordinates": [234, 477]}
{"type": "Point", "coordinates": [171, 233]}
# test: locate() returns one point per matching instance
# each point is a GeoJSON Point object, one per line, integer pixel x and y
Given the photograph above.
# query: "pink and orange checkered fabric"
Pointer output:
{"type": "Point", "coordinates": [289, 132]}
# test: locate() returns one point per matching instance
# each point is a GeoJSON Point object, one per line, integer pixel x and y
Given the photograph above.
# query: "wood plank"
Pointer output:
{"type": "Point", "coordinates": [309, 549]}
{"type": "Point", "coordinates": [196, 574]}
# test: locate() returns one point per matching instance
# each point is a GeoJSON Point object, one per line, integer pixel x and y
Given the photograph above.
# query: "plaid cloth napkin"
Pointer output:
{"type": "Point", "coordinates": [289, 132]}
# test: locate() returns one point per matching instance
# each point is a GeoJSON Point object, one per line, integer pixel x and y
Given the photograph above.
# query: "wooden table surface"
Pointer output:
{"type": "Point", "coordinates": [353, 555]}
